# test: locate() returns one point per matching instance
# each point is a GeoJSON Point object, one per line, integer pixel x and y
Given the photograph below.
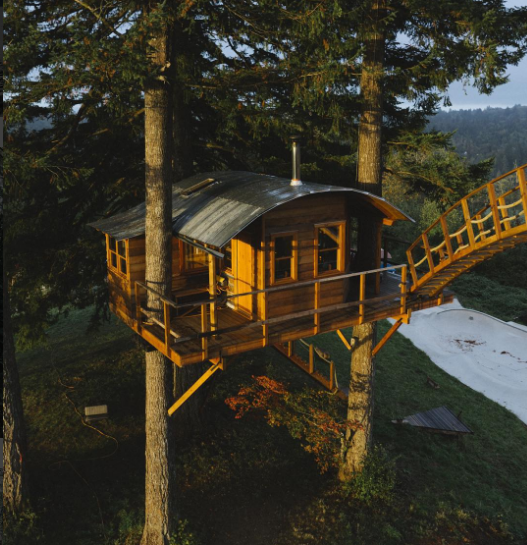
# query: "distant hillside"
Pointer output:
{"type": "Point", "coordinates": [494, 132]}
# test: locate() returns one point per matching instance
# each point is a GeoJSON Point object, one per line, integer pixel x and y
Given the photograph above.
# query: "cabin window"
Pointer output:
{"type": "Point", "coordinates": [118, 255]}
{"type": "Point", "coordinates": [284, 252]}
{"type": "Point", "coordinates": [329, 257]}
{"type": "Point", "coordinates": [227, 256]}
{"type": "Point", "coordinates": [192, 258]}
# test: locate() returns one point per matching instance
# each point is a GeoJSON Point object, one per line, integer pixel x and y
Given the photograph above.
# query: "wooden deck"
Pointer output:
{"type": "Point", "coordinates": [190, 339]}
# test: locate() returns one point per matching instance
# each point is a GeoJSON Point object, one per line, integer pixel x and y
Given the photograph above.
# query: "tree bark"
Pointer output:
{"type": "Point", "coordinates": [15, 480]}
{"type": "Point", "coordinates": [160, 445]}
{"type": "Point", "coordinates": [356, 443]}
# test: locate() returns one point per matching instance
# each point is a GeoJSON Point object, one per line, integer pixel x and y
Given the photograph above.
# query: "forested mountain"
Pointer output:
{"type": "Point", "coordinates": [493, 132]}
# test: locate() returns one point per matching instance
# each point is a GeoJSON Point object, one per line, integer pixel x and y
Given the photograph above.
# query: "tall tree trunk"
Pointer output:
{"type": "Point", "coordinates": [188, 417]}
{"type": "Point", "coordinates": [356, 443]}
{"type": "Point", "coordinates": [15, 489]}
{"type": "Point", "coordinates": [160, 444]}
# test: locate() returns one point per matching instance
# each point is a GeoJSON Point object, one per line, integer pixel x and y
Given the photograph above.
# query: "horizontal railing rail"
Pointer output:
{"type": "Point", "coordinates": [210, 328]}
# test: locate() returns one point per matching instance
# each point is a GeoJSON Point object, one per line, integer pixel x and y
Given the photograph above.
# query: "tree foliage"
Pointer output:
{"type": "Point", "coordinates": [248, 75]}
{"type": "Point", "coordinates": [308, 416]}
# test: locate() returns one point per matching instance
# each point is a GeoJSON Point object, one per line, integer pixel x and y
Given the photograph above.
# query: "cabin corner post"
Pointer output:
{"type": "Point", "coordinates": [213, 293]}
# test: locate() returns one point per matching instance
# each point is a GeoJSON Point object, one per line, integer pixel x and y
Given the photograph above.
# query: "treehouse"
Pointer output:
{"type": "Point", "coordinates": [259, 260]}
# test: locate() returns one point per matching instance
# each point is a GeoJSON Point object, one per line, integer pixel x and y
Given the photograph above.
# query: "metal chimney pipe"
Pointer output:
{"type": "Point", "coordinates": [295, 180]}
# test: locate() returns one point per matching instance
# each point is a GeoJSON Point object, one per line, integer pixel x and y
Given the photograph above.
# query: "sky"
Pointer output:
{"type": "Point", "coordinates": [507, 95]}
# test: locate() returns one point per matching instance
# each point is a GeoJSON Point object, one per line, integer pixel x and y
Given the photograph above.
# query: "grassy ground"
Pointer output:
{"type": "Point", "coordinates": [508, 303]}
{"type": "Point", "coordinates": [242, 481]}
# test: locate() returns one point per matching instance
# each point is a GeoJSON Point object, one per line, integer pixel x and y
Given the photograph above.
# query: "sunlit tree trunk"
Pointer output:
{"type": "Point", "coordinates": [160, 445]}
{"type": "Point", "coordinates": [15, 489]}
{"type": "Point", "coordinates": [360, 400]}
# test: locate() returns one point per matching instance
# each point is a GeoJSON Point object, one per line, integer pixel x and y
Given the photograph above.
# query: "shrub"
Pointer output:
{"type": "Point", "coordinates": [376, 483]}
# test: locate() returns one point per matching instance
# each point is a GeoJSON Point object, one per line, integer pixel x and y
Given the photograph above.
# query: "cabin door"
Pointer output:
{"type": "Point", "coordinates": [245, 273]}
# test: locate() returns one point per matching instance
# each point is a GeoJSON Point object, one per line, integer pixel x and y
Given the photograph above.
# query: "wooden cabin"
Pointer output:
{"type": "Point", "coordinates": [256, 260]}
{"type": "Point", "coordinates": [259, 260]}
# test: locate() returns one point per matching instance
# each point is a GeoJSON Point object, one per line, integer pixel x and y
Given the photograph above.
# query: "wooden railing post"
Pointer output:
{"type": "Point", "coordinates": [213, 293]}
{"type": "Point", "coordinates": [317, 306]}
{"type": "Point", "coordinates": [204, 329]}
{"type": "Point", "coordinates": [331, 375]}
{"type": "Point", "coordinates": [362, 297]}
{"type": "Point", "coordinates": [311, 359]}
{"type": "Point", "coordinates": [504, 213]}
{"type": "Point", "coordinates": [429, 257]}
{"type": "Point", "coordinates": [404, 273]}
{"type": "Point", "coordinates": [411, 264]}
{"type": "Point", "coordinates": [138, 313]}
{"type": "Point", "coordinates": [523, 191]}
{"type": "Point", "coordinates": [468, 222]}
{"type": "Point", "coordinates": [166, 320]}
{"type": "Point", "coordinates": [494, 208]}
{"type": "Point", "coordinates": [290, 348]}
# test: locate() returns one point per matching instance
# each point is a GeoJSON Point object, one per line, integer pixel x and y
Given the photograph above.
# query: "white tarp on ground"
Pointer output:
{"type": "Point", "coordinates": [483, 352]}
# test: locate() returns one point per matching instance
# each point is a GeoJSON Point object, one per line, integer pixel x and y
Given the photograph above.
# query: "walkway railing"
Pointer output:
{"type": "Point", "coordinates": [494, 212]}
{"type": "Point", "coordinates": [210, 317]}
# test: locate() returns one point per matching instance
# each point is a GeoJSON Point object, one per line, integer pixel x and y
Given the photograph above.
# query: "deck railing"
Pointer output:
{"type": "Point", "coordinates": [493, 212]}
{"type": "Point", "coordinates": [210, 317]}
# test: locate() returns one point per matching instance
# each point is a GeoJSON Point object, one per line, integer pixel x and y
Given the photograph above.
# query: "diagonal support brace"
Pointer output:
{"type": "Point", "coordinates": [347, 344]}
{"type": "Point", "coordinates": [206, 375]}
{"type": "Point", "coordinates": [387, 336]}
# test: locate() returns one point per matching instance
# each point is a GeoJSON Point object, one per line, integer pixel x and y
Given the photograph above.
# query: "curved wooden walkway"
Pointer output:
{"type": "Point", "coordinates": [487, 221]}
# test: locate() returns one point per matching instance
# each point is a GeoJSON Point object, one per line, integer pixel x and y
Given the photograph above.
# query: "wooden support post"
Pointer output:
{"type": "Point", "coordinates": [331, 376]}
{"type": "Point", "coordinates": [317, 306]}
{"type": "Point", "coordinates": [311, 359]}
{"type": "Point", "coordinates": [193, 388]}
{"type": "Point", "coordinates": [290, 348]}
{"type": "Point", "coordinates": [343, 339]}
{"type": "Point", "coordinates": [362, 297]}
{"type": "Point", "coordinates": [204, 329]}
{"type": "Point", "coordinates": [494, 208]}
{"type": "Point", "coordinates": [166, 320]}
{"type": "Point", "coordinates": [386, 337]}
{"type": "Point", "coordinates": [468, 222]}
{"type": "Point", "coordinates": [213, 293]}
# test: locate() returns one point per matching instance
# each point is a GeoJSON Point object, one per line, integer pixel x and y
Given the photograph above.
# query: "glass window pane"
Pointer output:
{"type": "Point", "coordinates": [194, 257]}
{"type": "Point", "coordinates": [123, 265]}
{"type": "Point", "coordinates": [327, 260]}
{"type": "Point", "coordinates": [227, 259]}
{"type": "Point", "coordinates": [282, 269]}
{"type": "Point", "coordinates": [113, 260]}
{"type": "Point", "coordinates": [112, 243]}
{"type": "Point", "coordinates": [283, 247]}
{"type": "Point", "coordinates": [121, 248]}
{"type": "Point", "coordinates": [328, 237]}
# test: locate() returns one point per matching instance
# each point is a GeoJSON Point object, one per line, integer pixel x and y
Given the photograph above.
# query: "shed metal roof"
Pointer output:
{"type": "Point", "coordinates": [217, 211]}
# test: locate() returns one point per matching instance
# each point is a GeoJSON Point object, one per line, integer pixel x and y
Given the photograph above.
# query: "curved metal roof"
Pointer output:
{"type": "Point", "coordinates": [212, 208]}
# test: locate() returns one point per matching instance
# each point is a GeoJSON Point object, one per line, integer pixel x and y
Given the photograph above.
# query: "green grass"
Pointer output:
{"type": "Point", "coordinates": [241, 481]}
{"type": "Point", "coordinates": [478, 292]}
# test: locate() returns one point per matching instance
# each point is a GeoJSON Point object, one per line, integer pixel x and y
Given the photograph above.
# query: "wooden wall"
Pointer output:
{"type": "Point", "coordinates": [301, 216]}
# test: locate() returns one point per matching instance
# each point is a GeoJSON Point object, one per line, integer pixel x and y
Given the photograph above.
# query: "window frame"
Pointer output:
{"type": "Point", "coordinates": [341, 257]}
{"type": "Point", "coordinates": [182, 267]}
{"type": "Point", "coordinates": [293, 258]}
{"type": "Point", "coordinates": [118, 257]}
